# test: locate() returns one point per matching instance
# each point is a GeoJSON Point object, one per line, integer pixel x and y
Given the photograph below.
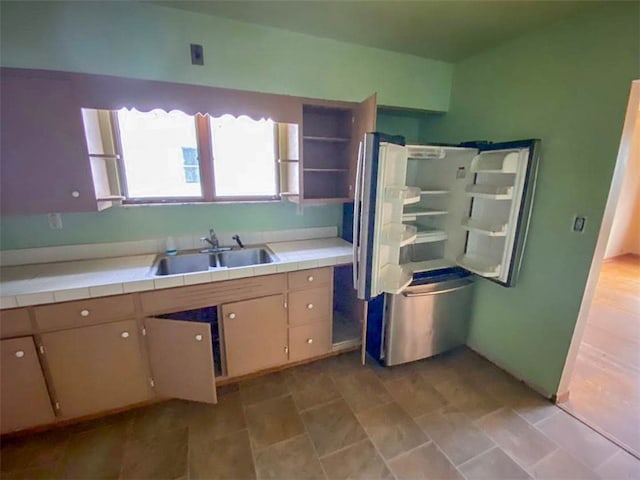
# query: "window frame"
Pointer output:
{"type": "Point", "coordinates": [206, 163]}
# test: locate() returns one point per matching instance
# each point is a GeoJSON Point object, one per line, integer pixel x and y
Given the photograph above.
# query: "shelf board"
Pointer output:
{"type": "Point", "coordinates": [398, 234]}
{"type": "Point", "coordinates": [429, 235]}
{"type": "Point", "coordinates": [434, 192]}
{"type": "Point", "coordinates": [326, 170]}
{"type": "Point", "coordinates": [479, 265]}
{"type": "Point", "coordinates": [491, 192]}
{"type": "Point", "coordinates": [325, 200]}
{"type": "Point", "coordinates": [326, 139]}
{"type": "Point", "coordinates": [413, 212]}
{"type": "Point", "coordinates": [476, 226]}
{"type": "Point", "coordinates": [428, 265]}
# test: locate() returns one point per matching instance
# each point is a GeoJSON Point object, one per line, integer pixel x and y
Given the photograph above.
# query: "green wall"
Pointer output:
{"type": "Point", "coordinates": [569, 86]}
{"type": "Point", "coordinates": [149, 41]}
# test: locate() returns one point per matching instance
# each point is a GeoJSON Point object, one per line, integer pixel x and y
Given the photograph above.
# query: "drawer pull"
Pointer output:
{"type": "Point", "coordinates": [75, 194]}
{"type": "Point", "coordinates": [286, 349]}
{"type": "Point", "coordinates": [310, 306]}
{"type": "Point", "coordinates": [19, 354]}
{"type": "Point", "coordinates": [309, 341]}
{"type": "Point", "coordinates": [232, 316]}
{"type": "Point", "coordinates": [198, 338]}
{"type": "Point", "coordinates": [84, 313]}
{"type": "Point", "coordinates": [124, 334]}
{"type": "Point", "coordinates": [310, 278]}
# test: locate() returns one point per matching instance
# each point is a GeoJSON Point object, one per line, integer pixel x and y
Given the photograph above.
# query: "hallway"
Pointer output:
{"type": "Point", "coordinates": [605, 388]}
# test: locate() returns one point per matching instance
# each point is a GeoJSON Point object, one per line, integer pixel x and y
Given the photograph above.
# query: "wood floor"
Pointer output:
{"type": "Point", "coordinates": [605, 388]}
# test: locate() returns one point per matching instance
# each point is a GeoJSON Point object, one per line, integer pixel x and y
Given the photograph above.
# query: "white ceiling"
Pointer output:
{"type": "Point", "coordinates": [447, 30]}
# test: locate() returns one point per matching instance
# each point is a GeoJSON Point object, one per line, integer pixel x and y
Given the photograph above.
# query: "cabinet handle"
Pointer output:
{"type": "Point", "coordinates": [75, 194]}
{"type": "Point", "coordinates": [19, 354]}
{"type": "Point", "coordinates": [310, 306]}
{"type": "Point", "coordinates": [309, 341]}
{"type": "Point", "coordinates": [124, 334]}
{"type": "Point", "coordinates": [84, 313]}
{"type": "Point", "coordinates": [286, 349]}
{"type": "Point", "coordinates": [232, 316]}
{"type": "Point", "coordinates": [310, 278]}
{"type": "Point", "coordinates": [198, 338]}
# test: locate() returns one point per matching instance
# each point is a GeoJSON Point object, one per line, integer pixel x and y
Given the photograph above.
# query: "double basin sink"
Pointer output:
{"type": "Point", "coordinates": [203, 261]}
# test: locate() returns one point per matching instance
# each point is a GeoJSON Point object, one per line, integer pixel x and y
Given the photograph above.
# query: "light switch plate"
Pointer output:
{"type": "Point", "coordinates": [55, 221]}
{"type": "Point", "coordinates": [579, 223]}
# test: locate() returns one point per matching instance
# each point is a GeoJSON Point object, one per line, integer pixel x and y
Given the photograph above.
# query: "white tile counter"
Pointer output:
{"type": "Point", "coordinates": [25, 285]}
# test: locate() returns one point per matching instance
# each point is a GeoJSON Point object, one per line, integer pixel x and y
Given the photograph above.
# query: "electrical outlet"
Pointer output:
{"type": "Point", "coordinates": [55, 221]}
{"type": "Point", "coordinates": [579, 223]}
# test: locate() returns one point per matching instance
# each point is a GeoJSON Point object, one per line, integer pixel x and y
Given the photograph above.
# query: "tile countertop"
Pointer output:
{"type": "Point", "coordinates": [25, 285]}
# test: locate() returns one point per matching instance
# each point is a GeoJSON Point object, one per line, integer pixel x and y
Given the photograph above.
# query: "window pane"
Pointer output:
{"type": "Point", "coordinates": [243, 157]}
{"type": "Point", "coordinates": [160, 154]}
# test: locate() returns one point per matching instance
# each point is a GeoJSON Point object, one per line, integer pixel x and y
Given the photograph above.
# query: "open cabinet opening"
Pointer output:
{"type": "Point", "coordinates": [347, 310]}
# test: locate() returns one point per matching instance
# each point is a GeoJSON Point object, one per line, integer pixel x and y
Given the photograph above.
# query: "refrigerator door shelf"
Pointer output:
{"type": "Point", "coordinates": [395, 278]}
{"type": "Point", "coordinates": [406, 195]}
{"type": "Point", "coordinates": [434, 192]}
{"type": "Point", "coordinates": [491, 230]}
{"type": "Point", "coordinates": [399, 235]}
{"type": "Point", "coordinates": [497, 161]}
{"type": "Point", "coordinates": [425, 152]}
{"type": "Point", "coordinates": [492, 192]}
{"type": "Point", "coordinates": [480, 266]}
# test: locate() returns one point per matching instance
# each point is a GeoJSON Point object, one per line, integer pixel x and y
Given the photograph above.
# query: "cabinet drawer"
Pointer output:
{"type": "Point", "coordinates": [14, 322]}
{"type": "Point", "coordinates": [310, 278]}
{"type": "Point", "coordinates": [306, 306]}
{"type": "Point", "coordinates": [84, 312]}
{"type": "Point", "coordinates": [308, 341]}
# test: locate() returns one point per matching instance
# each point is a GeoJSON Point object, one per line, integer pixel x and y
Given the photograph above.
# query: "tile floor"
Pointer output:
{"type": "Point", "coordinates": [451, 417]}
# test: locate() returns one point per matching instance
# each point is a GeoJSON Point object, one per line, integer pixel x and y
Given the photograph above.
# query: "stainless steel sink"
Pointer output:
{"type": "Point", "coordinates": [244, 257]}
{"type": "Point", "coordinates": [185, 263]}
{"type": "Point", "coordinates": [201, 262]}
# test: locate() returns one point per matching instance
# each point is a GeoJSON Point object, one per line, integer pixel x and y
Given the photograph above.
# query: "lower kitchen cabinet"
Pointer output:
{"type": "Point", "coordinates": [255, 334]}
{"type": "Point", "coordinates": [25, 400]}
{"type": "Point", "coordinates": [181, 357]}
{"type": "Point", "coordinates": [96, 368]}
{"type": "Point", "coordinates": [308, 341]}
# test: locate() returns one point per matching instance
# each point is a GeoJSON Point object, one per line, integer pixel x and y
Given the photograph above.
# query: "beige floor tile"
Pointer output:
{"type": "Point", "coordinates": [273, 421]}
{"type": "Point", "coordinates": [391, 430]}
{"type": "Point", "coordinates": [424, 463]}
{"type": "Point", "coordinates": [41, 450]}
{"type": "Point", "coordinates": [621, 466]}
{"type": "Point", "coordinates": [362, 390]}
{"type": "Point", "coordinates": [415, 395]}
{"type": "Point", "coordinates": [222, 458]}
{"type": "Point", "coordinates": [468, 399]}
{"type": "Point", "coordinates": [357, 462]}
{"type": "Point", "coordinates": [265, 387]}
{"type": "Point", "coordinates": [561, 465]}
{"type": "Point", "coordinates": [493, 465]}
{"type": "Point", "coordinates": [215, 421]}
{"type": "Point", "coordinates": [169, 415]}
{"type": "Point", "coordinates": [310, 390]}
{"type": "Point", "coordinates": [292, 459]}
{"type": "Point", "coordinates": [332, 426]}
{"type": "Point", "coordinates": [455, 434]}
{"type": "Point", "coordinates": [341, 365]}
{"type": "Point", "coordinates": [435, 370]}
{"type": "Point", "coordinates": [161, 455]}
{"type": "Point", "coordinates": [516, 437]}
{"type": "Point", "coordinates": [578, 439]}
{"type": "Point", "coordinates": [35, 473]}
{"type": "Point", "coordinates": [94, 454]}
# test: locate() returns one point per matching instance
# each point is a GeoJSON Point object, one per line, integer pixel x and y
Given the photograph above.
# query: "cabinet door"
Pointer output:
{"type": "Point", "coordinates": [255, 334]}
{"type": "Point", "coordinates": [25, 400]}
{"type": "Point", "coordinates": [364, 120]}
{"type": "Point", "coordinates": [96, 368]}
{"type": "Point", "coordinates": [45, 167]}
{"type": "Point", "coordinates": [181, 356]}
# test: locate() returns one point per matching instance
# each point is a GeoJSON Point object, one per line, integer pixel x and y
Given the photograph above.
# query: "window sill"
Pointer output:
{"type": "Point", "coordinates": [218, 202]}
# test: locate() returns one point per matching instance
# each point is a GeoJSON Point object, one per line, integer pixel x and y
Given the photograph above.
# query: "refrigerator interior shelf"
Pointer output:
{"type": "Point", "coordinates": [428, 235]}
{"type": "Point", "coordinates": [496, 162]}
{"type": "Point", "coordinates": [398, 234]}
{"type": "Point", "coordinates": [418, 211]}
{"type": "Point", "coordinates": [429, 265]}
{"type": "Point", "coordinates": [494, 192]}
{"type": "Point", "coordinates": [490, 230]}
{"type": "Point", "coordinates": [434, 192]}
{"type": "Point", "coordinates": [395, 278]}
{"type": "Point", "coordinates": [478, 265]}
{"type": "Point", "coordinates": [406, 195]}
{"type": "Point", "coordinates": [425, 152]}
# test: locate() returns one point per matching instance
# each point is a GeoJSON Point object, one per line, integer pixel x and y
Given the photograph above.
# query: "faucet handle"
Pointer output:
{"type": "Point", "coordinates": [212, 233]}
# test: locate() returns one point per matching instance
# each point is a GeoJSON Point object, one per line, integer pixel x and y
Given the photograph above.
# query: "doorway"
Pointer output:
{"type": "Point", "coordinates": [600, 384]}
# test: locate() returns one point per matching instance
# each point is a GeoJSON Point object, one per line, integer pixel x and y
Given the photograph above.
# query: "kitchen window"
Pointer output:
{"type": "Point", "coordinates": [165, 157]}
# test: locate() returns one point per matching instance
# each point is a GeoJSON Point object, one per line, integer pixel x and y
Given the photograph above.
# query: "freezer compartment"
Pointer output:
{"type": "Point", "coordinates": [428, 317]}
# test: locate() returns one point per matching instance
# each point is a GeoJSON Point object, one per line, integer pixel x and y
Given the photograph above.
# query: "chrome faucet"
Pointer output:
{"type": "Point", "coordinates": [236, 237]}
{"type": "Point", "coordinates": [212, 240]}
